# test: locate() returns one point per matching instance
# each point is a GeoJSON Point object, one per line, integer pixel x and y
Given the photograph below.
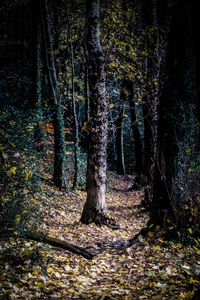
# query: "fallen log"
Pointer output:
{"type": "Point", "coordinates": [40, 237]}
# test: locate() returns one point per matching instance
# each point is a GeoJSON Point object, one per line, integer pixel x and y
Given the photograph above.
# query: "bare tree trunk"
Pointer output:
{"type": "Point", "coordinates": [75, 119]}
{"type": "Point", "coordinates": [138, 147]}
{"type": "Point", "coordinates": [136, 133]}
{"type": "Point", "coordinates": [119, 131]}
{"type": "Point", "coordinates": [87, 101]}
{"type": "Point", "coordinates": [95, 209]}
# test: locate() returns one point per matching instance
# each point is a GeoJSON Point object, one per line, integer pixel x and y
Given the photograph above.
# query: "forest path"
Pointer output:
{"type": "Point", "coordinates": [61, 216]}
{"type": "Point", "coordinates": [150, 269]}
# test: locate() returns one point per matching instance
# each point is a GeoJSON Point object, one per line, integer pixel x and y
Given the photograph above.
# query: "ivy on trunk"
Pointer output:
{"type": "Point", "coordinates": [95, 209]}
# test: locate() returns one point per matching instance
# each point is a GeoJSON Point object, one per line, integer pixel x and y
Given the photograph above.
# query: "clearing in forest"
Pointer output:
{"type": "Point", "coordinates": [151, 269]}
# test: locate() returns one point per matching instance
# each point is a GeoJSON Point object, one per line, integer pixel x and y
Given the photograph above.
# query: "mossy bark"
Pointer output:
{"type": "Point", "coordinates": [95, 209]}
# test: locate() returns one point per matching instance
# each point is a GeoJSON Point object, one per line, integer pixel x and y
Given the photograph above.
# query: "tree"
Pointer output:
{"type": "Point", "coordinates": [75, 118]}
{"type": "Point", "coordinates": [151, 93]}
{"type": "Point", "coordinates": [36, 93]}
{"type": "Point", "coordinates": [95, 208]}
{"type": "Point", "coordinates": [176, 138]}
{"type": "Point", "coordinates": [60, 178]}
{"type": "Point", "coordinates": [119, 131]}
{"type": "Point", "coordinates": [139, 165]}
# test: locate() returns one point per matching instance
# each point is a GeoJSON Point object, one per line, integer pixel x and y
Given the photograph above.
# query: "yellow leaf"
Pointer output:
{"type": "Point", "coordinates": [195, 248]}
{"type": "Point", "coordinates": [36, 270]}
{"type": "Point", "coordinates": [3, 277]}
{"type": "Point", "coordinates": [26, 252]}
{"type": "Point", "coordinates": [190, 230]}
{"type": "Point", "coordinates": [51, 282]}
{"type": "Point", "coordinates": [125, 116]}
{"type": "Point", "coordinates": [72, 291]}
{"type": "Point", "coordinates": [150, 234]}
{"type": "Point", "coordinates": [156, 247]}
{"type": "Point", "coordinates": [61, 284]}
{"type": "Point", "coordinates": [178, 245]}
{"type": "Point", "coordinates": [38, 283]}
{"type": "Point", "coordinates": [17, 218]}
{"type": "Point", "coordinates": [13, 170]}
{"type": "Point", "coordinates": [28, 174]}
{"type": "Point", "coordinates": [12, 144]}
{"type": "Point", "coordinates": [111, 105]}
{"type": "Point", "coordinates": [49, 270]}
{"type": "Point", "coordinates": [188, 150]}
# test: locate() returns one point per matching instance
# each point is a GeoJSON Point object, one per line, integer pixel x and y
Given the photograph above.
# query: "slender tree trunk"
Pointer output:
{"type": "Point", "coordinates": [75, 119]}
{"type": "Point", "coordinates": [95, 209]}
{"type": "Point", "coordinates": [119, 132]}
{"type": "Point", "coordinates": [87, 100]}
{"type": "Point", "coordinates": [113, 139]}
{"type": "Point", "coordinates": [87, 107]}
{"type": "Point", "coordinates": [150, 101]}
{"type": "Point", "coordinates": [76, 142]}
{"type": "Point", "coordinates": [136, 133]}
{"type": "Point", "coordinates": [60, 178]}
{"type": "Point", "coordinates": [36, 73]}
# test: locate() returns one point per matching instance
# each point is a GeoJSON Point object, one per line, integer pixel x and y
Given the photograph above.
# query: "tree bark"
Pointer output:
{"type": "Point", "coordinates": [95, 208]}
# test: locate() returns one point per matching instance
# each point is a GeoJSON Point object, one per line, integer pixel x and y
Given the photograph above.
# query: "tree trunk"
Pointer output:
{"type": "Point", "coordinates": [139, 164]}
{"type": "Point", "coordinates": [151, 100]}
{"type": "Point", "coordinates": [60, 178]}
{"type": "Point", "coordinates": [76, 142]}
{"type": "Point", "coordinates": [119, 131]}
{"type": "Point", "coordinates": [176, 124]}
{"type": "Point", "coordinates": [87, 101]}
{"type": "Point", "coordinates": [95, 209]}
{"type": "Point", "coordinates": [36, 73]}
{"type": "Point", "coordinates": [75, 119]}
{"type": "Point", "coordinates": [136, 133]}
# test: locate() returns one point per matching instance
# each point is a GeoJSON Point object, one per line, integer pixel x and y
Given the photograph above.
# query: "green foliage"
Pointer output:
{"type": "Point", "coordinates": [19, 170]}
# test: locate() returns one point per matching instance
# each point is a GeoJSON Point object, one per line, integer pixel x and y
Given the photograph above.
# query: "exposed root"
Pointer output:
{"type": "Point", "coordinates": [40, 237]}
{"type": "Point", "coordinates": [99, 219]}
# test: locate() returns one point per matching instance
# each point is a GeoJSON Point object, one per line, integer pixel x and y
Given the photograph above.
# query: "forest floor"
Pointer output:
{"type": "Point", "coordinates": [151, 269]}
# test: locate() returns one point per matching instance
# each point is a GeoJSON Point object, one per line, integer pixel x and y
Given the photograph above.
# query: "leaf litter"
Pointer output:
{"type": "Point", "coordinates": [151, 269]}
